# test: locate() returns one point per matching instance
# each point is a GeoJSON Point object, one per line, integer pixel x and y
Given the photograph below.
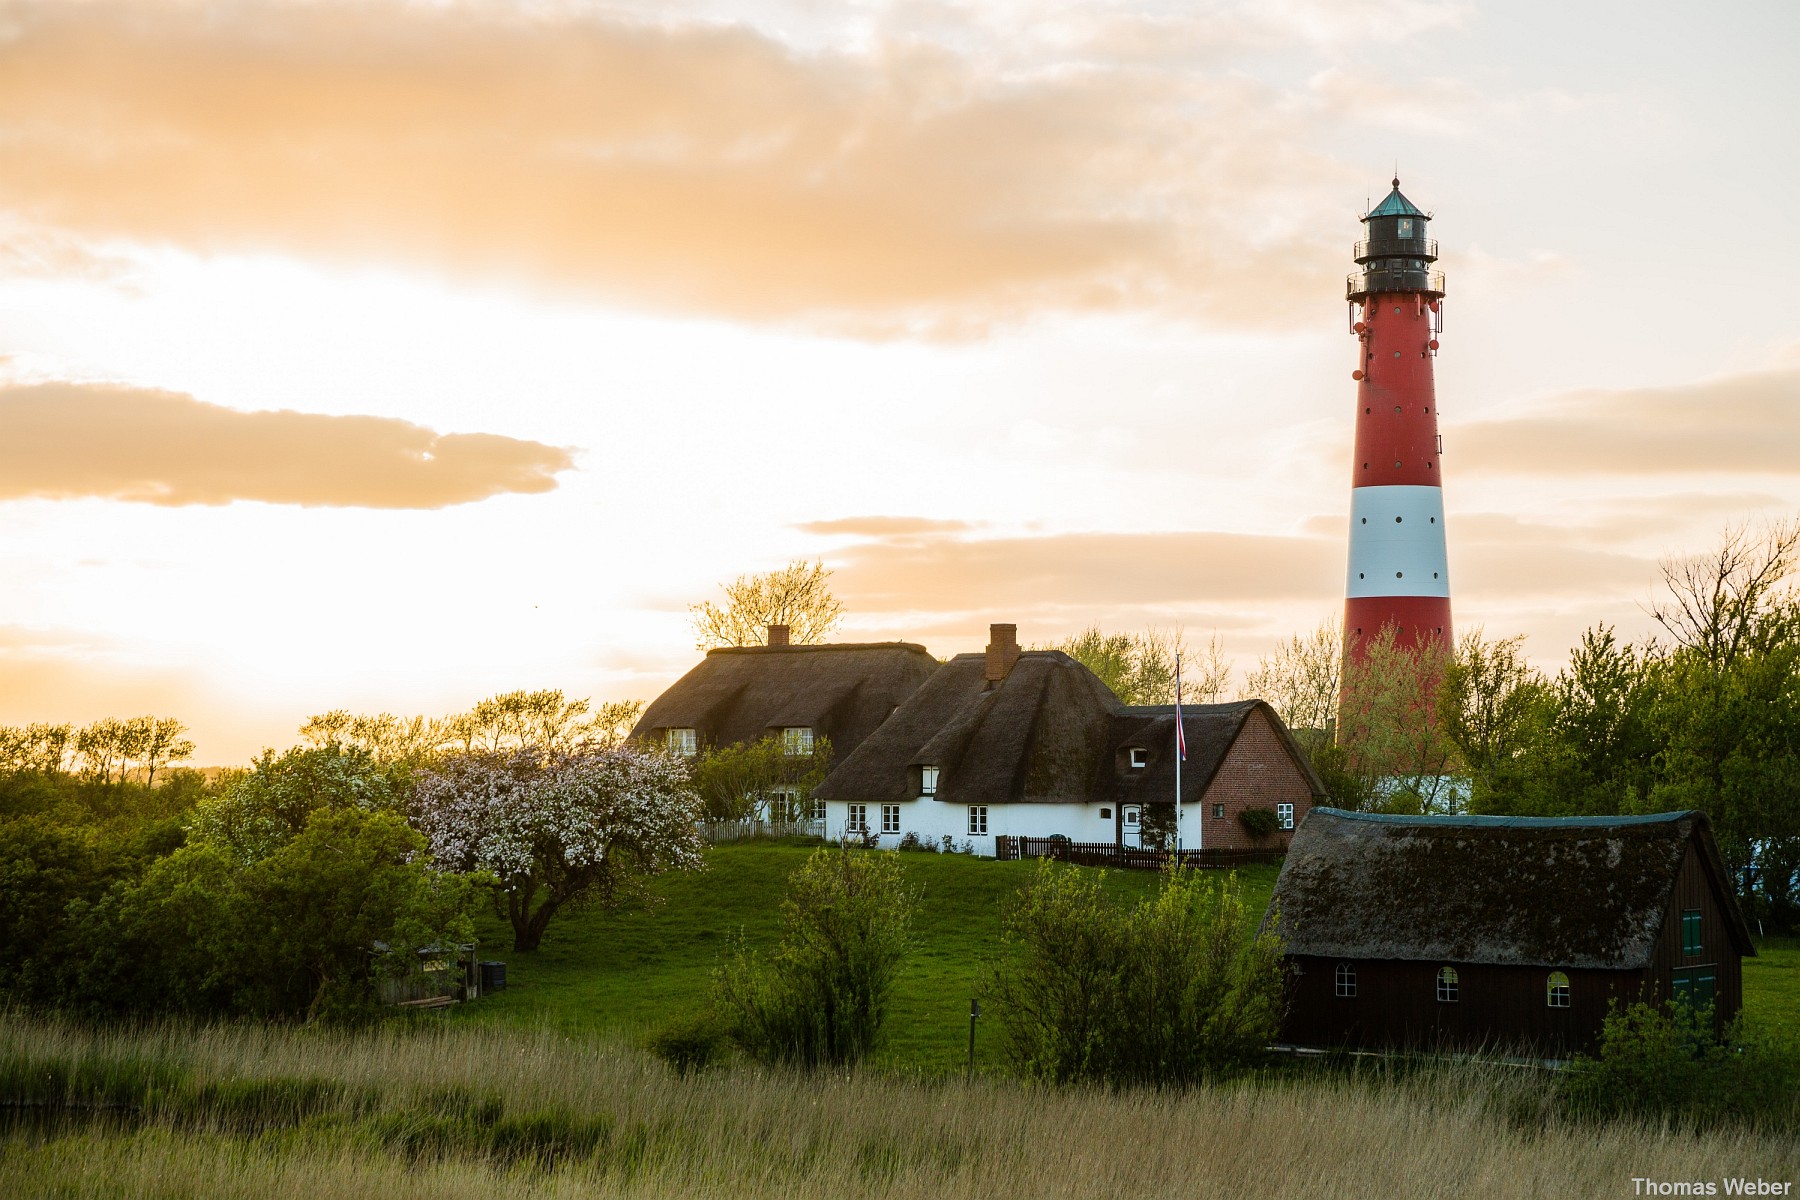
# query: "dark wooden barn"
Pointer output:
{"type": "Point", "coordinates": [1501, 932]}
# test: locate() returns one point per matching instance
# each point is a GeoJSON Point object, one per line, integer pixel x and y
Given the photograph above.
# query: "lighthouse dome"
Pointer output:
{"type": "Point", "coordinates": [1397, 205]}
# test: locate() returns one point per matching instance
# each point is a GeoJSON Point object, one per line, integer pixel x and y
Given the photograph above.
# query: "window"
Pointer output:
{"type": "Point", "coordinates": [1131, 817]}
{"type": "Point", "coordinates": [1284, 815]}
{"type": "Point", "coordinates": [1218, 812]}
{"type": "Point", "coordinates": [1140, 757]}
{"type": "Point", "coordinates": [1346, 981]}
{"type": "Point", "coordinates": [1106, 814]}
{"type": "Point", "coordinates": [683, 743]}
{"type": "Point", "coordinates": [784, 804]}
{"type": "Point", "coordinates": [1690, 933]}
{"type": "Point", "coordinates": [1556, 990]}
{"type": "Point", "coordinates": [858, 820]}
{"type": "Point", "coordinates": [890, 818]}
{"type": "Point", "coordinates": [978, 818]}
{"type": "Point", "coordinates": [928, 781]}
{"type": "Point", "coordinates": [1694, 986]}
{"type": "Point", "coordinates": [798, 740]}
{"type": "Point", "coordinates": [818, 810]}
{"type": "Point", "coordinates": [1447, 985]}
{"type": "Point", "coordinates": [1405, 227]}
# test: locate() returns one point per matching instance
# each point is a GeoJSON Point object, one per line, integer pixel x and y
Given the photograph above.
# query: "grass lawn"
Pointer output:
{"type": "Point", "coordinates": [629, 972]}
{"type": "Point", "coordinates": [1772, 987]}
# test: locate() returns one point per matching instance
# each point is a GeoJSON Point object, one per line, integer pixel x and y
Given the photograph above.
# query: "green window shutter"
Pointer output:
{"type": "Point", "coordinates": [1694, 986]}
{"type": "Point", "coordinates": [1690, 932]}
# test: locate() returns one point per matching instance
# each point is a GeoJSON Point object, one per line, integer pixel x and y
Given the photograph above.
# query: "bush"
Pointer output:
{"type": "Point", "coordinates": [1654, 1062]}
{"type": "Point", "coordinates": [692, 1042]}
{"type": "Point", "coordinates": [1168, 991]}
{"type": "Point", "coordinates": [1259, 822]}
{"type": "Point", "coordinates": [822, 996]}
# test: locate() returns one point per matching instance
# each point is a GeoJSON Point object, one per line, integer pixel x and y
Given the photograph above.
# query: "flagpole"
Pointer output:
{"type": "Point", "coordinates": [1180, 753]}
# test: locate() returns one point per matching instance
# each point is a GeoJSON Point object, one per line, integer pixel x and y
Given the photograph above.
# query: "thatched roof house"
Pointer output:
{"type": "Point", "coordinates": [840, 691]}
{"type": "Point", "coordinates": [1500, 930]}
{"type": "Point", "coordinates": [1032, 743]}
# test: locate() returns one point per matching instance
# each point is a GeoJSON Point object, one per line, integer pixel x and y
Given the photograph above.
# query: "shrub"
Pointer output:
{"type": "Point", "coordinates": [1657, 1062]}
{"type": "Point", "coordinates": [692, 1042]}
{"type": "Point", "coordinates": [1168, 991]}
{"type": "Point", "coordinates": [1259, 822]}
{"type": "Point", "coordinates": [822, 996]}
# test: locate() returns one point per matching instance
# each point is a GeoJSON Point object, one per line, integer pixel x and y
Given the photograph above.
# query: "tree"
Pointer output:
{"type": "Point", "coordinates": [1717, 602]}
{"type": "Point", "coordinates": [570, 829]}
{"type": "Point", "coordinates": [160, 744]}
{"type": "Point", "coordinates": [1140, 667]}
{"type": "Point", "coordinates": [42, 748]}
{"type": "Point", "coordinates": [822, 995]}
{"type": "Point", "coordinates": [1302, 680]}
{"type": "Point", "coordinates": [1390, 728]}
{"type": "Point", "coordinates": [261, 811]}
{"type": "Point", "coordinates": [738, 780]}
{"type": "Point", "coordinates": [1491, 700]}
{"type": "Point", "coordinates": [798, 596]}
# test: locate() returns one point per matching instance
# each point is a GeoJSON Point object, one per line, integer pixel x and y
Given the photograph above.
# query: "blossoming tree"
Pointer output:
{"type": "Point", "coordinates": [581, 828]}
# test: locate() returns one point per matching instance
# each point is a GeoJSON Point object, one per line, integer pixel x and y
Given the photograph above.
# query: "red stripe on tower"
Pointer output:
{"type": "Point", "coordinates": [1399, 574]}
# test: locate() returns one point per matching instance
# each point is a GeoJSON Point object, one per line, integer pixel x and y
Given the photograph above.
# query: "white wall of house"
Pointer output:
{"type": "Point", "coordinates": [932, 819]}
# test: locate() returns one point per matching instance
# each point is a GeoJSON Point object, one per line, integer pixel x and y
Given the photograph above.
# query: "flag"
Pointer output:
{"type": "Point", "coordinates": [1180, 733]}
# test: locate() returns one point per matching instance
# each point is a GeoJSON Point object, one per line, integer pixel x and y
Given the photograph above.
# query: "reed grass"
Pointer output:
{"type": "Point", "coordinates": [258, 1111]}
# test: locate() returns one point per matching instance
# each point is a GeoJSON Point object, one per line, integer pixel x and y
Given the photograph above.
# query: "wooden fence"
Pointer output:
{"type": "Point", "coordinates": [1131, 858]}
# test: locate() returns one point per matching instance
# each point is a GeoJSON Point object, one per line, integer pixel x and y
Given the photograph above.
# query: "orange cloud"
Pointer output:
{"type": "Point", "coordinates": [66, 440]}
{"type": "Point", "coordinates": [1742, 424]}
{"type": "Point", "coordinates": [690, 168]}
{"type": "Point", "coordinates": [884, 527]}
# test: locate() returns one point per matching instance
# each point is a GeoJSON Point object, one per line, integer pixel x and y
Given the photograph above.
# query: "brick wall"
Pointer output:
{"type": "Point", "coordinates": [1257, 773]}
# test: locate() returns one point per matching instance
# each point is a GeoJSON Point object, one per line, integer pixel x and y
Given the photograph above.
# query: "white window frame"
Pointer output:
{"type": "Point", "coordinates": [1133, 816]}
{"type": "Point", "coordinates": [890, 818]}
{"type": "Point", "coordinates": [683, 743]}
{"type": "Point", "coordinates": [928, 782]}
{"type": "Point", "coordinates": [978, 822]}
{"type": "Point", "coordinates": [1284, 815]}
{"type": "Point", "coordinates": [1140, 757]}
{"type": "Point", "coordinates": [1449, 985]}
{"type": "Point", "coordinates": [818, 810]}
{"type": "Point", "coordinates": [856, 818]}
{"type": "Point", "coordinates": [1218, 811]}
{"type": "Point", "coordinates": [1346, 981]}
{"type": "Point", "coordinates": [1557, 995]}
{"type": "Point", "coordinates": [797, 740]}
{"type": "Point", "coordinates": [786, 801]}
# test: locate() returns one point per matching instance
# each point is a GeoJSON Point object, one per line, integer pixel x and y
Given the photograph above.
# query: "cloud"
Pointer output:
{"type": "Point", "coordinates": [690, 168]}
{"type": "Point", "coordinates": [884, 527]}
{"type": "Point", "coordinates": [1740, 425]}
{"type": "Point", "coordinates": [67, 440]}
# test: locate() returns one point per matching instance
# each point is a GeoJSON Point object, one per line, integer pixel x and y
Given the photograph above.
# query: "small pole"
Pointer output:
{"type": "Point", "coordinates": [974, 1012]}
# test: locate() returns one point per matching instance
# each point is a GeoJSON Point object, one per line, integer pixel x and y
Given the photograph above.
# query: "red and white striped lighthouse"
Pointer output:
{"type": "Point", "coordinates": [1399, 574]}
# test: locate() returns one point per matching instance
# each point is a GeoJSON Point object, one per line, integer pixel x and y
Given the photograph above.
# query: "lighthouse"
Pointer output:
{"type": "Point", "coordinates": [1399, 574]}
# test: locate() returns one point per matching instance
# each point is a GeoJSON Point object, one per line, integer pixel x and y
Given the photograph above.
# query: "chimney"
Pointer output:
{"type": "Point", "coordinates": [778, 635]}
{"type": "Point", "coordinates": [1002, 652]}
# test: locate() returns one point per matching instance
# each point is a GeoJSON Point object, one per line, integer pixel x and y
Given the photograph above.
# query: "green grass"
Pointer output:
{"type": "Point", "coordinates": [629, 972]}
{"type": "Point", "coordinates": [1772, 988]}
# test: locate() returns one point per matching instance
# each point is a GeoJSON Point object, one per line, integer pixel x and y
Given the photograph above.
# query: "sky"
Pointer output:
{"type": "Point", "coordinates": [389, 355]}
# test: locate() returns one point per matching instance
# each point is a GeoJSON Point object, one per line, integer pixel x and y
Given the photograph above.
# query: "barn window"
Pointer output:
{"type": "Point", "coordinates": [890, 818]}
{"type": "Point", "coordinates": [928, 781]}
{"type": "Point", "coordinates": [1556, 990]}
{"type": "Point", "coordinates": [797, 740]}
{"type": "Point", "coordinates": [683, 743]}
{"type": "Point", "coordinates": [1690, 932]}
{"type": "Point", "coordinates": [1694, 986]}
{"type": "Point", "coordinates": [1447, 985]}
{"type": "Point", "coordinates": [978, 818]}
{"type": "Point", "coordinates": [1346, 981]}
{"type": "Point", "coordinates": [1284, 815]}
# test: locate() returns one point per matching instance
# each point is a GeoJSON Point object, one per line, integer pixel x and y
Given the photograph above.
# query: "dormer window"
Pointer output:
{"type": "Point", "coordinates": [1140, 758]}
{"type": "Point", "coordinates": [797, 740]}
{"type": "Point", "coordinates": [683, 743]}
{"type": "Point", "coordinates": [928, 781]}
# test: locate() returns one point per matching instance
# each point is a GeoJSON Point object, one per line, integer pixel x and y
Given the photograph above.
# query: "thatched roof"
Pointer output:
{"type": "Point", "coordinates": [1034, 736]}
{"type": "Point", "coordinates": [1517, 891]}
{"type": "Point", "coordinates": [741, 693]}
{"type": "Point", "coordinates": [1210, 728]}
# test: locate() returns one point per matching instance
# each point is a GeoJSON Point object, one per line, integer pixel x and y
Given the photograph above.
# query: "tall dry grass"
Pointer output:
{"type": "Point", "coordinates": [245, 1111]}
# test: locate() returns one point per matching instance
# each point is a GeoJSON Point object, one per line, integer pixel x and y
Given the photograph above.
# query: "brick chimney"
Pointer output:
{"type": "Point", "coordinates": [778, 635]}
{"type": "Point", "coordinates": [1002, 652]}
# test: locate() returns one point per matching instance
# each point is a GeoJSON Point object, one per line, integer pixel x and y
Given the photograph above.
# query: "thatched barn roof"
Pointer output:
{"type": "Point", "coordinates": [1515, 891]}
{"type": "Point", "coordinates": [1210, 728]}
{"type": "Point", "coordinates": [741, 693]}
{"type": "Point", "coordinates": [1034, 735]}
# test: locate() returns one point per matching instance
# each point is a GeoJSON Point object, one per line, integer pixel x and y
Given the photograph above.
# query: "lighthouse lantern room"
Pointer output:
{"type": "Point", "coordinates": [1399, 574]}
